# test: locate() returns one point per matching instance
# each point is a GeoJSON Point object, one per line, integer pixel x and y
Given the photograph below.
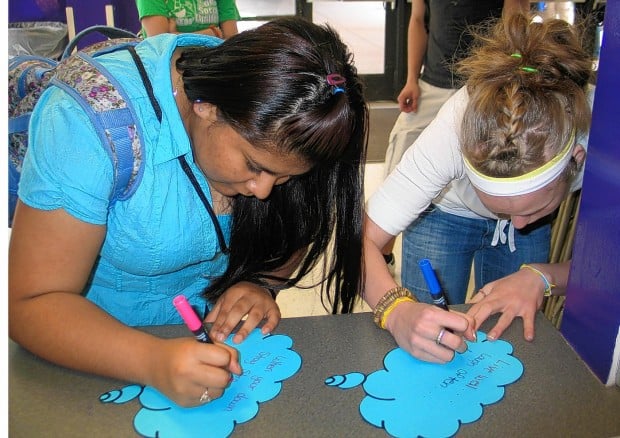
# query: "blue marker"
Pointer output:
{"type": "Point", "coordinates": [433, 284]}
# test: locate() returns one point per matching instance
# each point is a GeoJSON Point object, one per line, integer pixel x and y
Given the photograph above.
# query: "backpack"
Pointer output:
{"type": "Point", "coordinates": [102, 97]}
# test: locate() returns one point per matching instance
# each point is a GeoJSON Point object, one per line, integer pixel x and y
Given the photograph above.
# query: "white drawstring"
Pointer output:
{"type": "Point", "coordinates": [500, 236]}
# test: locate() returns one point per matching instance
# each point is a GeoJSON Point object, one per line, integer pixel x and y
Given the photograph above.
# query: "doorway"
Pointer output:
{"type": "Point", "coordinates": [375, 31]}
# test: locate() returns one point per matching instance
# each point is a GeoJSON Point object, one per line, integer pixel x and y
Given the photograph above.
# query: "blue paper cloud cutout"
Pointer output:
{"type": "Point", "coordinates": [266, 360]}
{"type": "Point", "coordinates": [412, 398]}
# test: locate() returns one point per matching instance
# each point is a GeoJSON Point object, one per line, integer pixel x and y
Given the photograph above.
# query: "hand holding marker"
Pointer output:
{"type": "Point", "coordinates": [439, 299]}
{"type": "Point", "coordinates": [197, 328]}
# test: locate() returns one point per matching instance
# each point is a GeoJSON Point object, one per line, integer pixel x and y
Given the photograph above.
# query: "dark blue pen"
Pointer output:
{"type": "Point", "coordinates": [439, 299]}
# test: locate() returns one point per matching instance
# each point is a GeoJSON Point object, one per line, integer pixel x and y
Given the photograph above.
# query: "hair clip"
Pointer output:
{"type": "Point", "coordinates": [334, 79]}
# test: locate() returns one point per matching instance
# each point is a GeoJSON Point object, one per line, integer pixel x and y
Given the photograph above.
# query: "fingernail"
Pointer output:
{"type": "Point", "coordinates": [474, 336]}
{"type": "Point", "coordinates": [491, 336]}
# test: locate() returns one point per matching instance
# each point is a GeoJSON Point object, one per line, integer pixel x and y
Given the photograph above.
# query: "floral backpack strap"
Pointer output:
{"type": "Point", "coordinates": [105, 101]}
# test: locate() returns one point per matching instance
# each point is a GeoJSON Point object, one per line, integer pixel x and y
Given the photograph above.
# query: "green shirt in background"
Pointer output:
{"type": "Point", "coordinates": [190, 15]}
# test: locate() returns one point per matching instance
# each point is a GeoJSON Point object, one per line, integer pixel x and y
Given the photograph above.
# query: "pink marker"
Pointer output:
{"type": "Point", "coordinates": [190, 318]}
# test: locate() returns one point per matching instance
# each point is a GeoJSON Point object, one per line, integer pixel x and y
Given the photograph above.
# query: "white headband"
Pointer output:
{"type": "Point", "coordinates": [523, 184]}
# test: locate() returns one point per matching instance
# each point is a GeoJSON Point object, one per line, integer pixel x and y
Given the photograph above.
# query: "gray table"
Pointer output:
{"type": "Point", "coordinates": [557, 396]}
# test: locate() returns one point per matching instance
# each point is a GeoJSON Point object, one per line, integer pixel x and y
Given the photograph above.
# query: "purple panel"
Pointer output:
{"type": "Point", "coordinates": [92, 12]}
{"type": "Point", "coordinates": [36, 10]}
{"type": "Point", "coordinates": [592, 312]}
{"type": "Point", "coordinates": [126, 15]}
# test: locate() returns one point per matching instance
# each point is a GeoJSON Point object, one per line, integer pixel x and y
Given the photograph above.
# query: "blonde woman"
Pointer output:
{"type": "Point", "coordinates": [480, 185]}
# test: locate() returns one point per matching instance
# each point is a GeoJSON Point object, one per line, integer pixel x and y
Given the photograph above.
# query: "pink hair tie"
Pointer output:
{"type": "Point", "coordinates": [334, 79]}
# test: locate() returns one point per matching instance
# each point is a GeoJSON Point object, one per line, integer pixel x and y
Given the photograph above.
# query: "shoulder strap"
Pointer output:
{"type": "Point", "coordinates": [27, 78]}
{"type": "Point", "coordinates": [109, 108]}
{"type": "Point", "coordinates": [106, 31]}
{"type": "Point", "coordinates": [146, 81]}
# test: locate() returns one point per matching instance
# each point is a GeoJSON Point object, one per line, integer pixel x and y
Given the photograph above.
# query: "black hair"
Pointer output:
{"type": "Point", "coordinates": [270, 85]}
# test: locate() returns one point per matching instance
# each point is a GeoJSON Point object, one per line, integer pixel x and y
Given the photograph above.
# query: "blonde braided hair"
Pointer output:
{"type": "Point", "coordinates": [526, 82]}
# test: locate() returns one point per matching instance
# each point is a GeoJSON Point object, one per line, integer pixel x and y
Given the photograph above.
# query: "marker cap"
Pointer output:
{"type": "Point", "coordinates": [429, 276]}
{"type": "Point", "coordinates": [186, 312]}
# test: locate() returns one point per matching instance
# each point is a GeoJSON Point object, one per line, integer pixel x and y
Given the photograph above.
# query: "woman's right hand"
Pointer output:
{"type": "Point", "coordinates": [183, 369]}
{"type": "Point", "coordinates": [51, 257]}
{"type": "Point", "coordinates": [409, 97]}
{"type": "Point", "coordinates": [416, 327]}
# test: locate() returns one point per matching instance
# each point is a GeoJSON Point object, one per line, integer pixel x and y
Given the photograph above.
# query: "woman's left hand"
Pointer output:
{"type": "Point", "coordinates": [517, 295]}
{"type": "Point", "coordinates": [241, 300]}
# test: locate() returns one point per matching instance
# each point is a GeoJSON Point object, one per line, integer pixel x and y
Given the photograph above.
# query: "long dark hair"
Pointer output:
{"type": "Point", "coordinates": [270, 84]}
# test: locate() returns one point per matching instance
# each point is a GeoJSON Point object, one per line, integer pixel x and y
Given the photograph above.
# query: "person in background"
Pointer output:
{"type": "Point", "coordinates": [209, 17]}
{"type": "Point", "coordinates": [437, 38]}
{"type": "Point", "coordinates": [480, 183]}
{"type": "Point", "coordinates": [253, 169]}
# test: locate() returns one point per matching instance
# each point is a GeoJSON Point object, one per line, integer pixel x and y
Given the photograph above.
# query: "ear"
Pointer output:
{"type": "Point", "coordinates": [579, 154]}
{"type": "Point", "coordinates": [205, 111]}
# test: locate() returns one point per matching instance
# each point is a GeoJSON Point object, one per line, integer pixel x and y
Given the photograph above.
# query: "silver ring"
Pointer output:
{"type": "Point", "coordinates": [205, 397]}
{"type": "Point", "coordinates": [439, 336]}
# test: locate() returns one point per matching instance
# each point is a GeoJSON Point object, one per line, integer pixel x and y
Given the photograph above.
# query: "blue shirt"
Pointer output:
{"type": "Point", "coordinates": [161, 241]}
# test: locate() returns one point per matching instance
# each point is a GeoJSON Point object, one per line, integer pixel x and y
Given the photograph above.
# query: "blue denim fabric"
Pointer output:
{"type": "Point", "coordinates": [453, 242]}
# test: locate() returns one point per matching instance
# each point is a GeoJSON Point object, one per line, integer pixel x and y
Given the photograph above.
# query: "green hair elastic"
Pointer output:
{"type": "Point", "coordinates": [525, 68]}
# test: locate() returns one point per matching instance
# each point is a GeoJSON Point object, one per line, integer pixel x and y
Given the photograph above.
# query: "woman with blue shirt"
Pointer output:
{"type": "Point", "coordinates": [251, 169]}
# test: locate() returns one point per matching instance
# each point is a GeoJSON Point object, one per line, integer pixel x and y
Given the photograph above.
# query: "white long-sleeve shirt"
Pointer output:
{"type": "Point", "coordinates": [432, 171]}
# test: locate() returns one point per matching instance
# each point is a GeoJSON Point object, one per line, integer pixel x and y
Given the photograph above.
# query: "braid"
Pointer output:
{"type": "Point", "coordinates": [513, 111]}
{"type": "Point", "coordinates": [526, 85]}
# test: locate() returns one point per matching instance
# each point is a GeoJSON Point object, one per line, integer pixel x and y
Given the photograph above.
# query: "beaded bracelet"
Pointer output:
{"type": "Point", "coordinates": [387, 303]}
{"type": "Point", "coordinates": [548, 286]}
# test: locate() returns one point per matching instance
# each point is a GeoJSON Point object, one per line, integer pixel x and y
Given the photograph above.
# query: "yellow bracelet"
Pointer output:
{"type": "Point", "coordinates": [391, 307]}
{"type": "Point", "coordinates": [386, 301]}
{"type": "Point", "coordinates": [548, 285]}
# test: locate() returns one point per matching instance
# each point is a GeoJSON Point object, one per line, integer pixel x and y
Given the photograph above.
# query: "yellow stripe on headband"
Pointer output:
{"type": "Point", "coordinates": [522, 184]}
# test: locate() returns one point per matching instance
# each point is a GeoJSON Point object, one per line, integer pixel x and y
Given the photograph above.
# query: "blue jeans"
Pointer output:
{"type": "Point", "coordinates": [453, 242]}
